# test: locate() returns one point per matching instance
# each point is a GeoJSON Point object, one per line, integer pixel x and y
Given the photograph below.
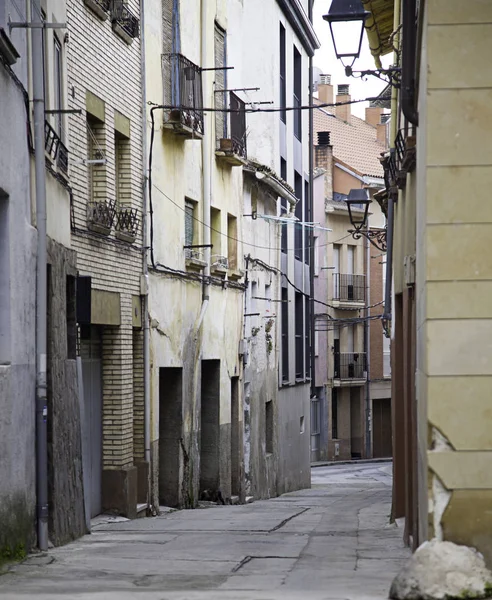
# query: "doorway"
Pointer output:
{"type": "Point", "coordinates": [91, 356]}
{"type": "Point", "coordinates": [210, 428]}
{"type": "Point", "coordinates": [170, 432]}
{"type": "Point", "coordinates": [381, 419]}
{"type": "Point", "coordinates": [235, 438]}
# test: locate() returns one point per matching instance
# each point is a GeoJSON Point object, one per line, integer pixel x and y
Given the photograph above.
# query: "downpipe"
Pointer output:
{"type": "Point", "coordinates": [367, 338]}
{"type": "Point", "coordinates": [42, 281]}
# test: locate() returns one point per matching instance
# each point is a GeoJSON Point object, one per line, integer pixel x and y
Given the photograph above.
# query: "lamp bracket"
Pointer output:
{"type": "Point", "coordinates": [392, 75]}
{"type": "Point", "coordinates": [377, 236]}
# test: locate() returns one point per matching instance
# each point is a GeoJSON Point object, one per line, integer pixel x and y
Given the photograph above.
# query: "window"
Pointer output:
{"type": "Point", "coordinates": [122, 164]}
{"type": "Point", "coordinates": [307, 337]}
{"type": "Point", "coordinates": [189, 223]}
{"type": "Point", "coordinates": [96, 165]}
{"type": "Point", "coordinates": [299, 330]}
{"type": "Point", "coordinates": [215, 221]}
{"type": "Point", "coordinates": [283, 204]}
{"type": "Point", "coordinates": [334, 414]}
{"type": "Point", "coordinates": [269, 427]}
{"type": "Point", "coordinates": [316, 255]}
{"type": "Point", "coordinates": [297, 93]}
{"type": "Point", "coordinates": [308, 232]}
{"type": "Point", "coordinates": [298, 213]}
{"type": "Point", "coordinates": [283, 86]}
{"type": "Point", "coordinates": [58, 84]}
{"type": "Point", "coordinates": [316, 343]}
{"type": "Point", "coordinates": [268, 298]}
{"type": "Point", "coordinates": [71, 318]}
{"type": "Point", "coordinates": [232, 241]}
{"type": "Point", "coordinates": [285, 335]}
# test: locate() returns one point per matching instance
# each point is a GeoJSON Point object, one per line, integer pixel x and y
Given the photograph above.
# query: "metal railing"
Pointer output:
{"type": "Point", "coordinates": [100, 216]}
{"type": "Point", "coordinates": [219, 261]}
{"type": "Point", "coordinates": [183, 91]}
{"type": "Point", "coordinates": [349, 288]}
{"type": "Point", "coordinates": [123, 16]}
{"type": "Point", "coordinates": [192, 254]}
{"type": "Point", "coordinates": [55, 148]}
{"type": "Point", "coordinates": [127, 222]}
{"type": "Point", "coordinates": [349, 365]}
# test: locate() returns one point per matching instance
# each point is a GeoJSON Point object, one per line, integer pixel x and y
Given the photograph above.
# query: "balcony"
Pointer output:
{"type": "Point", "coordinates": [99, 7]}
{"type": "Point", "coordinates": [390, 173]}
{"type": "Point", "coordinates": [182, 81]}
{"type": "Point", "coordinates": [219, 264]}
{"type": "Point", "coordinates": [127, 222]}
{"type": "Point", "coordinates": [230, 129]}
{"type": "Point", "coordinates": [100, 216]}
{"type": "Point", "coordinates": [349, 368]}
{"type": "Point", "coordinates": [405, 157]}
{"type": "Point", "coordinates": [55, 149]}
{"type": "Point", "coordinates": [349, 291]}
{"type": "Point", "coordinates": [194, 259]}
{"type": "Point", "coordinates": [125, 23]}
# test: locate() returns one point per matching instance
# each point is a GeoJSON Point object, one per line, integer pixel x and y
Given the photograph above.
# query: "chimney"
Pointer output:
{"type": "Point", "coordinates": [343, 95]}
{"type": "Point", "coordinates": [325, 89]}
{"type": "Point", "coordinates": [323, 157]}
{"type": "Point", "coordinates": [382, 130]}
{"type": "Point", "coordinates": [373, 115]}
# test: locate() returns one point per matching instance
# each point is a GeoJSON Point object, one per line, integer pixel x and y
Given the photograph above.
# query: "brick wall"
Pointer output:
{"type": "Point", "coordinates": [100, 62]}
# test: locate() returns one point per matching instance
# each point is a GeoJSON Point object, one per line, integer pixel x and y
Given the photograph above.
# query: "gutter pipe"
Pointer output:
{"type": "Point", "coordinates": [145, 269]}
{"type": "Point", "coordinates": [42, 281]}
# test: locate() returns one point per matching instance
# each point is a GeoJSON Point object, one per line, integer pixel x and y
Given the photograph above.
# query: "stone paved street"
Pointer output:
{"type": "Point", "coordinates": [331, 541]}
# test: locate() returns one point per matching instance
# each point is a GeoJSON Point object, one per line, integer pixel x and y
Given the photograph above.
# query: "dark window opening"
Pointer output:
{"type": "Point", "coordinates": [283, 85]}
{"type": "Point", "coordinates": [308, 233]}
{"type": "Point", "coordinates": [334, 414]}
{"type": "Point", "coordinates": [297, 94]}
{"type": "Point", "coordinates": [283, 204]}
{"type": "Point", "coordinates": [298, 213]}
{"type": "Point", "coordinates": [71, 309]}
{"type": "Point", "coordinates": [285, 335]}
{"type": "Point", "coordinates": [307, 334]}
{"type": "Point", "coordinates": [299, 329]}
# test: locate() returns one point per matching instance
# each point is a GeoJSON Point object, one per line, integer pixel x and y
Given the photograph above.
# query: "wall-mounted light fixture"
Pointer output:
{"type": "Point", "coordinates": [347, 19]}
{"type": "Point", "coordinates": [359, 199]}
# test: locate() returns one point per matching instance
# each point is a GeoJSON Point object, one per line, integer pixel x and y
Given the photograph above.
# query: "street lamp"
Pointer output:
{"type": "Point", "coordinates": [347, 19]}
{"type": "Point", "coordinates": [359, 199]}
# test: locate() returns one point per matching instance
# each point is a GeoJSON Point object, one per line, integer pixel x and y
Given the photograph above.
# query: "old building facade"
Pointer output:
{"type": "Point", "coordinates": [105, 143]}
{"type": "Point", "coordinates": [349, 335]}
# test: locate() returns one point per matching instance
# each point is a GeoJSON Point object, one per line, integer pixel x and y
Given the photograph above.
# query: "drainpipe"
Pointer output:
{"type": "Point", "coordinates": [311, 232]}
{"type": "Point", "coordinates": [367, 341]}
{"type": "Point", "coordinates": [42, 282]}
{"type": "Point", "coordinates": [408, 59]}
{"type": "Point", "coordinates": [145, 268]}
{"type": "Point", "coordinates": [206, 159]}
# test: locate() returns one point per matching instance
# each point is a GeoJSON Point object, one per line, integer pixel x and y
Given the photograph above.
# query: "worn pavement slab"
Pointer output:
{"type": "Point", "coordinates": [332, 541]}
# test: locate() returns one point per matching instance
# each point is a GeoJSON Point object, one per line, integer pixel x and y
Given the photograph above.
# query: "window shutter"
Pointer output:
{"type": "Point", "coordinates": [189, 209]}
{"type": "Point", "coordinates": [220, 81]}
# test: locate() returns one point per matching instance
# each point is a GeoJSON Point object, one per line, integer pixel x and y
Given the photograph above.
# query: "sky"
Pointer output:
{"type": "Point", "coordinates": [326, 60]}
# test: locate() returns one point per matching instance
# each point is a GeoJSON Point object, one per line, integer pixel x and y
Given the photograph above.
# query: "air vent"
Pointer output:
{"type": "Point", "coordinates": [385, 118]}
{"type": "Point", "coordinates": [323, 138]}
{"type": "Point", "coordinates": [325, 79]}
{"type": "Point", "coordinates": [343, 89]}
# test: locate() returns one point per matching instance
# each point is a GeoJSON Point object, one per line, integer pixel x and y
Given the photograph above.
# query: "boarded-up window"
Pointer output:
{"type": "Point", "coordinates": [220, 82]}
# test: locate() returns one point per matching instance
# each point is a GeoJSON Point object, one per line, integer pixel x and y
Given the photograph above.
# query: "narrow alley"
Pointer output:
{"type": "Point", "coordinates": [331, 541]}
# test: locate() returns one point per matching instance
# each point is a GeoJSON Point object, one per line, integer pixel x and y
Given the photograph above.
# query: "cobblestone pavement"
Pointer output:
{"type": "Point", "coordinates": [332, 541]}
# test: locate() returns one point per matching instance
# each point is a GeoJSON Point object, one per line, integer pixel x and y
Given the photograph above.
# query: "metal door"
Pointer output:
{"type": "Point", "coordinates": [90, 350]}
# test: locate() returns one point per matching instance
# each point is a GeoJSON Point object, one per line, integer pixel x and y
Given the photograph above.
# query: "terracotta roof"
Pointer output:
{"type": "Point", "coordinates": [354, 142]}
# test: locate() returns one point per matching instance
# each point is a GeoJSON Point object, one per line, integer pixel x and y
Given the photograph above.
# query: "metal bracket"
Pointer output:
{"type": "Point", "coordinates": [42, 25]}
{"type": "Point", "coordinates": [64, 111]}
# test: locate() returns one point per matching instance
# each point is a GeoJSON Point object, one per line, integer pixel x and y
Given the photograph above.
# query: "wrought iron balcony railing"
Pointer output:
{"type": "Point", "coordinates": [231, 127]}
{"type": "Point", "coordinates": [183, 93]}
{"type": "Point", "coordinates": [349, 288]}
{"type": "Point", "coordinates": [405, 156]}
{"type": "Point", "coordinates": [349, 365]}
{"type": "Point", "coordinates": [55, 148]}
{"type": "Point", "coordinates": [100, 7]}
{"type": "Point", "coordinates": [124, 19]}
{"type": "Point", "coordinates": [127, 222]}
{"type": "Point", "coordinates": [100, 216]}
{"type": "Point", "coordinates": [192, 254]}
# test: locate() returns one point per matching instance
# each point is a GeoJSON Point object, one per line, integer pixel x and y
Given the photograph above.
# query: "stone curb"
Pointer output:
{"type": "Point", "coordinates": [363, 461]}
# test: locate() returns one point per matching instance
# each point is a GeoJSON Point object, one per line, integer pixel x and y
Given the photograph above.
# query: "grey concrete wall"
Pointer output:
{"type": "Point", "coordinates": [293, 445]}
{"type": "Point", "coordinates": [17, 320]}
